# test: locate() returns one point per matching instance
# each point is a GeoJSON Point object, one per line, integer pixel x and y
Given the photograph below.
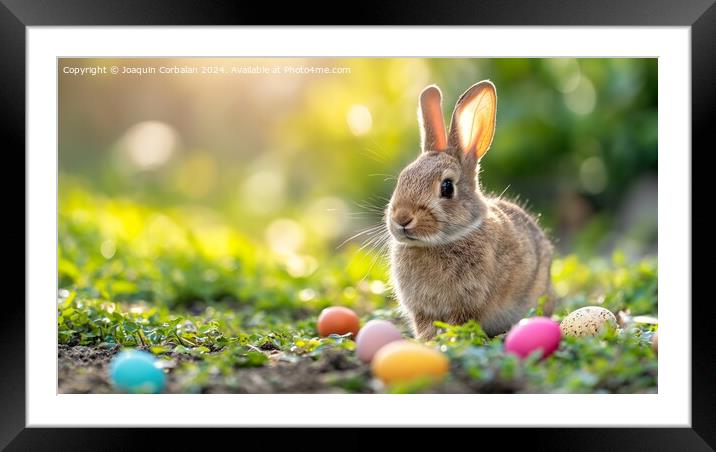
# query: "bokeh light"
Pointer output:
{"type": "Point", "coordinates": [593, 175]}
{"type": "Point", "coordinates": [300, 266]}
{"type": "Point", "coordinates": [149, 144]}
{"type": "Point", "coordinates": [107, 249]}
{"type": "Point", "coordinates": [285, 236]}
{"type": "Point", "coordinates": [583, 98]}
{"type": "Point", "coordinates": [567, 73]}
{"type": "Point", "coordinates": [328, 217]}
{"type": "Point", "coordinates": [359, 119]}
{"type": "Point", "coordinates": [263, 191]}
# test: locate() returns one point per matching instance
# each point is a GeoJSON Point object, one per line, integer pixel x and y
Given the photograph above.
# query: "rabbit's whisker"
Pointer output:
{"type": "Point", "coordinates": [371, 230]}
{"type": "Point", "coordinates": [378, 238]}
{"type": "Point", "coordinates": [503, 192]}
{"type": "Point", "coordinates": [369, 207]}
{"type": "Point", "coordinates": [386, 176]}
{"type": "Point", "coordinates": [380, 251]}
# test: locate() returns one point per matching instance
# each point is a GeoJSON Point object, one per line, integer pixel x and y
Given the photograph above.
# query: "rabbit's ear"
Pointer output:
{"type": "Point", "coordinates": [432, 125]}
{"type": "Point", "coordinates": [473, 121]}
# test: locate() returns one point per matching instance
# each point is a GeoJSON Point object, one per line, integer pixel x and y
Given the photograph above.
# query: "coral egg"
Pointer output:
{"type": "Point", "coordinates": [338, 320]}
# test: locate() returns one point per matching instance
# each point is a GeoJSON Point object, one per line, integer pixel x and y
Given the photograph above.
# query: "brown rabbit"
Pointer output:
{"type": "Point", "coordinates": [457, 254]}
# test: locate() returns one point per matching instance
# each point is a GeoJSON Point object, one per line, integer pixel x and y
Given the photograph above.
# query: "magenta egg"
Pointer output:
{"type": "Point", "coordinates": [374, 335]}
{"type": "Point", "coordinates": [535, 333]}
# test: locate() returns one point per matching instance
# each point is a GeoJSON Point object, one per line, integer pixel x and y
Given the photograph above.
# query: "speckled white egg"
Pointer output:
{"type": "Point", "coordinates": [587, 321]}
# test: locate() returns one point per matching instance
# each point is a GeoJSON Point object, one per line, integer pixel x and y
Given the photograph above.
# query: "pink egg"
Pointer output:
{"type": "Point", "coordinates": [532, 334]}
{"type": "Point", "coordinates": [374, 335]}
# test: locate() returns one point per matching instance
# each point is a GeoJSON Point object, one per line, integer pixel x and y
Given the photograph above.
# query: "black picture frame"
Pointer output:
{"type": "Point", "coordinates": [699, 15]}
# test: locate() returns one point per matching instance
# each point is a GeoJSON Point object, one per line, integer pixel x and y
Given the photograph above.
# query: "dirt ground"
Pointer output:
{"type": "Point", "coordinates": [83, 370]}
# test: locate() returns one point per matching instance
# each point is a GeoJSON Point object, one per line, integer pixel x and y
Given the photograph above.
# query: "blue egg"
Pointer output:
{"type": "Point", "coordinates": [136, 371]}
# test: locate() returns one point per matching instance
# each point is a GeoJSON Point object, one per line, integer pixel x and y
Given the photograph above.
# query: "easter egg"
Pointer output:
{"type": "Point", "coordinates": [374, 335]}
{"type": "Point", "coordinates": [403, 361]}
{"type": "Point", "coordinates": [535, 333]}
{"type": "Point", "coordinates": [338, 320]}
{"type": "Point", "coordinates": [655, 342]}
{"type": "Point", "coordinates": [136, 371]}
{"type": "Point", "coordinates": [587, 321]}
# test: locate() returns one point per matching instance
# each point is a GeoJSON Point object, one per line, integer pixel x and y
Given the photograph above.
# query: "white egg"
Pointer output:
{"type": "Point", "coordinates": [587, 321]}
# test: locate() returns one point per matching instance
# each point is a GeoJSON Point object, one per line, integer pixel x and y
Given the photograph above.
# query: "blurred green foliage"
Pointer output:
{"type": "Point", "coordinates": [576, 139]}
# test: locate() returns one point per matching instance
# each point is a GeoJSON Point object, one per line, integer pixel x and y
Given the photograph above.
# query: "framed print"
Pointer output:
{"type": "Point", "coordinates": [376, 225]}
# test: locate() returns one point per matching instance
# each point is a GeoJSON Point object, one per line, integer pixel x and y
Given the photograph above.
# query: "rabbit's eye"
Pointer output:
{"type": "Point", "coordinates": [447, 189]}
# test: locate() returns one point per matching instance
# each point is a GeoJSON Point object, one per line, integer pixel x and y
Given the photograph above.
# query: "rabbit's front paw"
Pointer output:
{"type": "Point", "coordinates": [423, 328]}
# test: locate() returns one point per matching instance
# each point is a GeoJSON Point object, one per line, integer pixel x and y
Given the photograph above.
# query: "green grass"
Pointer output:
{"type": "Point", "coordinates": [179, 283]}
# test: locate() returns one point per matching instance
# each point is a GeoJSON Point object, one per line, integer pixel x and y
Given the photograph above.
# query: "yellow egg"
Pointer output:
{"type": "Point", "coordinates": [587, 321]}
{"type": "Point", "coordinates": [402, 361]}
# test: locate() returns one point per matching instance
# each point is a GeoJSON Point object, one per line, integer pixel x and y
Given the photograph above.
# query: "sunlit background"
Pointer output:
{"type": "Point", "coordinates": [301, 162]}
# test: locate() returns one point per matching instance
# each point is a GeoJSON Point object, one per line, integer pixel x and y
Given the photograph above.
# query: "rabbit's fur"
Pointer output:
{"type": "Point", "coordinates": [465, 256]}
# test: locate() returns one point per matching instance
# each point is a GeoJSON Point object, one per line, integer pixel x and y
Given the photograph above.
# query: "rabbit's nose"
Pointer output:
{"type": "Point", "coordinates": [402, 217]}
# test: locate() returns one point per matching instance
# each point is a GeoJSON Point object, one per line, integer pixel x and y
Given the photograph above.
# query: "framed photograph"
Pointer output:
{"type": "Point", "coordinates": [446, 218]}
